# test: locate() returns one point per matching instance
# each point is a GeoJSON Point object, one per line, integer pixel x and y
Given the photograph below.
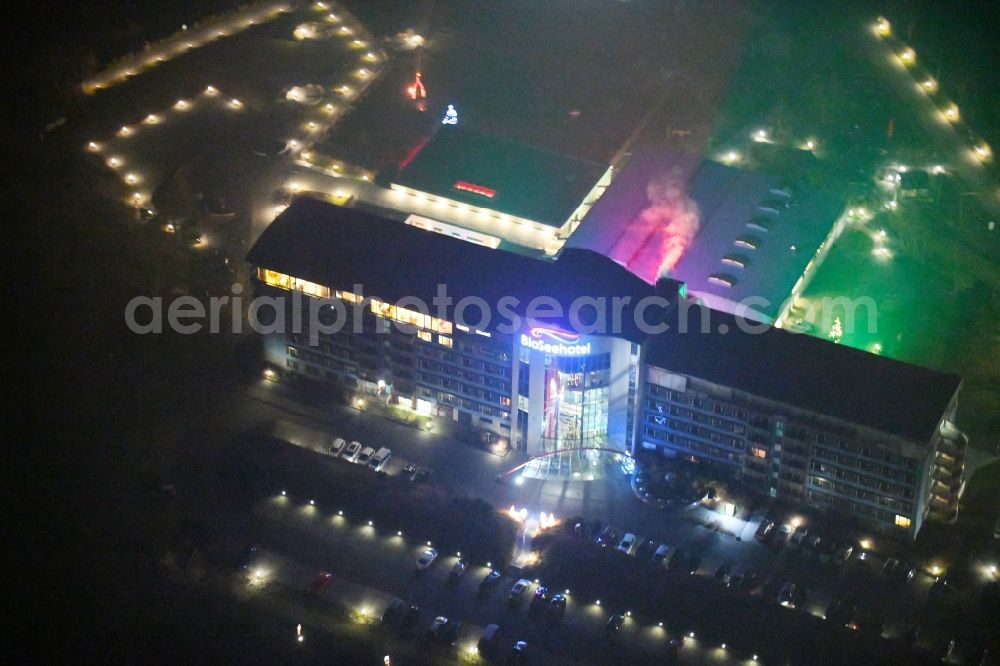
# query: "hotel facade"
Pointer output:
{"type": "Point", "coordinates": [787, 415]}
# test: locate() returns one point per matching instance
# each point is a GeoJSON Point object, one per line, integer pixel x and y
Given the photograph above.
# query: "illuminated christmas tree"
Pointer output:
{"type": "Point", "coordinates": [450, 116]}
{"type": "Point", "coordinates": [836, 331]}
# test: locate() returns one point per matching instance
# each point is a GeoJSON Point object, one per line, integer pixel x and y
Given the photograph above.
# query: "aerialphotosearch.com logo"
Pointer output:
{"type": "Point", "coordinates": [549, 324]}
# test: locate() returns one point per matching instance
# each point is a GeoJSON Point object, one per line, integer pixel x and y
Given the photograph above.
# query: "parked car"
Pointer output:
{"type": "Point", "coordinates": [351, 451]}
{"type": "Point", "coordinates": [798, 537]}
{"type": "Point", "coordinates": [614, 624]}
{"type": "Point", "coordinates": [786, 597]}
{"type": "Point", "coordinates": [337, 447]}
{"type": "Point", "coordinates": [456, 572]}
{"type": "Point", "coordinates": [722, 572]}
{"type": "Point", "coordinates": [645, 549]}
{"type": "Point", "coordinates": [394, 611]}
{"type": "Point", "coordinates": [518, 653]}
{"type": "Point", "coordinates": [380, 459]}
{"type": "Point", "coordinates": [889, 567]}
{"type": "Point", "coordinates": [365, 456]}
{"type": "Point", "coordinates": [427, 558]}
{"type": "Point", "coordinates": [764, 530]}
{"type": "Point", "coordinates": [517, 590]}
{"type": "Point", "coordinates": [607, 535]}
{"type": "Point", "coordinates": [557, 607]}
{"type": "Point", "coordinates": [489, 580]}
{"type": "Point", "coordinates": [843, 553]}
{"type": "Point", "coordinates": [812, 542]}
{"type": "Point", "coordinates": [489, 640]}
{"type": "Point", "coordinates": [627, 543]}
{"type": "Point", "coordinates": [410, 617]}
{"type": "Point", "coordinates": [661, 553]}
{"type": "Point", "coordinates": [540, 599]}
{"type": "Point", "coordinates": [444, 630]}
{"type": "Point", "coordinates": [779, 535]}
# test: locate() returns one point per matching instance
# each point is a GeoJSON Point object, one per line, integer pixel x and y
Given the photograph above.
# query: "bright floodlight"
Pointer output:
{"type": "Point", "coordinates": [929, 84]}
{"type": "Point", "coordinates": [883, 27]}
{"type": "Point", "coordinates": [908, 56]}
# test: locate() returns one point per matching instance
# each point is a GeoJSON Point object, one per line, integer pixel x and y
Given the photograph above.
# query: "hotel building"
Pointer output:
{"type": "Point", "coordinates": [789, 415]}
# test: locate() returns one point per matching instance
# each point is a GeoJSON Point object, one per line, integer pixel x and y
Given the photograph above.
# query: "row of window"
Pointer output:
{"type": "Point", "coordinates": [466, 389]}
{"type": "Point", "coordinates": [680, 441]}
{"type": "Point", "coordinates": [844, 504]}
{"type": "Point", "coordinates": [864, 465]}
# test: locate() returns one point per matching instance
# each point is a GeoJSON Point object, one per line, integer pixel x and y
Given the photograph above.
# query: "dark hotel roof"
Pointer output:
{"type": "Point", "coordinates": [525, 181]}
{"type": "Point", "coordinates": [802, 371]}
{"type": "Point", "coordinates": [340, 247]}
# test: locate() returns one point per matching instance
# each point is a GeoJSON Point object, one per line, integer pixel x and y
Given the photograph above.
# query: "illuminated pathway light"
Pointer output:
{"type": "Point", "coordinates": [908, 56]}
{"type": "Point", "coordinates": [882, 27]}
{"type": "Point", "coordinates": [181, 105]}
{"type": "Point", "coordinates": [951, 113]}
{"type": "Point", "coordinates": [929, 85]}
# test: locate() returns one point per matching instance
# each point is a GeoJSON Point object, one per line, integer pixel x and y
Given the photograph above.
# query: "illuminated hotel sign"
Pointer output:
{"type": "Point", "coordinates": [487, 192]}
{"type": "Point", "coordinates": [553, 341]}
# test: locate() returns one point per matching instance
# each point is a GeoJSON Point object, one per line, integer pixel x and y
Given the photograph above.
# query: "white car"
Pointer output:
{"type": "Point", "coordinates": [787, 595]}
{"type": "Point", "coordinates": [627, 543]}
{"type": "Point", "coordinates": [352, 451]}
{"type": "Point", "coordinates": [365, 455]}
{"type": "Point", "coordinates": [427, 559]}
{"type": "Point", "coordinates": [519, 588]}
{"type": "Point", "coordinates": [337, 447]}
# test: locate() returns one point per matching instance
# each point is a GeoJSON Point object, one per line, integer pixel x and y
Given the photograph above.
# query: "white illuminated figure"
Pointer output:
{"type": "Point", "coordinates": [450, 116]}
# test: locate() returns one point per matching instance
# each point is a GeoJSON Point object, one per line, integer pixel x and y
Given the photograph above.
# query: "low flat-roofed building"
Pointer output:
{"type": "Point", "coordinates": [758, 241]}
{"type": "Point", "coordinates": [504, 188]}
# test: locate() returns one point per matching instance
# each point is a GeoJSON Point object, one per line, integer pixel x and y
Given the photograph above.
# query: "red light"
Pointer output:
{"type": "Point", "coordinates": [477, 189]}
{"type": "Point", "coordinates": [416, 90]}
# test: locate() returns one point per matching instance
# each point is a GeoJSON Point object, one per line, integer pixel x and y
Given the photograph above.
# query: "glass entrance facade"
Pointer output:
{"type": "Point", "coordinates": [576, 402]}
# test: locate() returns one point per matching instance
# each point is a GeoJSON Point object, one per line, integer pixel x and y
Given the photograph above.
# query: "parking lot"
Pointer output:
{"type": "Point", "coordinates": [375, 556]}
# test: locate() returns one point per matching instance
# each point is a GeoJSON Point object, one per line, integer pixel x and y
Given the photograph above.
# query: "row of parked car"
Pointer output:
{"type": "Point", "coordinates": [824, 549]}
{"type": "Point", "coordinates": [800, 538]}
{"type": "Point", "coordinates": [648, 549]}
{"type": "Point", "coordinates": [361, 455]}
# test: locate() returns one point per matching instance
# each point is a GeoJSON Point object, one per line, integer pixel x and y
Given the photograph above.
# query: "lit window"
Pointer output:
{"type": "Point", "coordinates": [310, 288]}
{"type": "Point", "coordinates": [902, 521]}
{"type": "Point", "coordinates": [348, 296]}
{"type": "Point", "coordinates": [444, 340]}
{"type": "Point", "coordinates": [411, 317]}
{"type": "Point", "coordinates": [282, 281]}
{"type": "Point", "coordinates": [758, 452]}
{"type": "Point", "coordinates": [424, 335]}
{"type": "Point", "coordinates": [274, 278]}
